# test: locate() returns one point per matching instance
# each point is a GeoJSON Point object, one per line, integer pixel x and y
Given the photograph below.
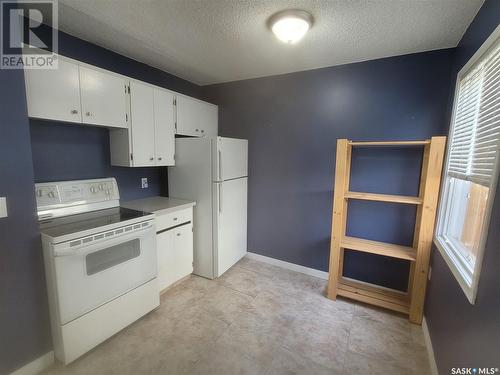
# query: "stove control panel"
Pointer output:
{"type": "Point", "coordinates": [74, 193]}
{"type": "Point", "coordinates": [46, 195]}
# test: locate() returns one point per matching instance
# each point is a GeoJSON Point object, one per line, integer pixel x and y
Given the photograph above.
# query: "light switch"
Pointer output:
{"type": "Point", "coordinates": [3, 207]}
{"type": "Point", "coordinates": [144, 183]}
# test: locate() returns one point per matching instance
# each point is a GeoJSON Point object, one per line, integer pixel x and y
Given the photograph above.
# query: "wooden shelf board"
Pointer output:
{"type": "Point", "coordinates": [390, 143]}
{"type": "Point", "coordinates": [373, 294]}
{"type": "Point", "coordinates": [395, 295]}
{"type": "Point", "coordinates": [379, 248]}
{"type": "Point", "coordinates": [384, 197]}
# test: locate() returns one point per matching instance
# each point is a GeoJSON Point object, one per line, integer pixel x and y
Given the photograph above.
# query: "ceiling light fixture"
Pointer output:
{"type": "Point", "coordinates": [291, 25]}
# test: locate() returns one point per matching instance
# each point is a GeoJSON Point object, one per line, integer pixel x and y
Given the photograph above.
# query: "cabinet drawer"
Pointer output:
{"type": "Point", "coordinates": [174, 218]}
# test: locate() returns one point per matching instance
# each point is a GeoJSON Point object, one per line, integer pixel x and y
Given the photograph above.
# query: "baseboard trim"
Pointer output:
{"type": "Point", "coordinates": [36, 366]}
{"type": "Point", "coordinates": [289, 266]}
{"type": "Point", "coordinates": [430, 350]}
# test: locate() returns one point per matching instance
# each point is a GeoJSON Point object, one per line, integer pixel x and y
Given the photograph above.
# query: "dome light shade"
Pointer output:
{"type": "Point", "coordinates": [290, 26]}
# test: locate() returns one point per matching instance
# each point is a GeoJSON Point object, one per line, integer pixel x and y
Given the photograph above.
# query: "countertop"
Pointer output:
{"type": "Point", "coordinates": [158, 205]}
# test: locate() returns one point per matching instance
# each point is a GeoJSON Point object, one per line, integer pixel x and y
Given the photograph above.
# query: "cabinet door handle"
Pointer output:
{"type": "Point", "coordinates": [159, 158]}
{"type": "Point", "coordinates": [178, 234]}
{"type": "Point", "coordinates": [203, 131]}
{"type": "Point", "coordinates": [88, 113]}
{"type": "Point", "coordinates": [151, 158]}
{"type": "Point", "coordinates": [197, 130]}
{"type": "Point", "coordinates": [74, 112]}
{"type": "Point", "coordinates": [175, 219]}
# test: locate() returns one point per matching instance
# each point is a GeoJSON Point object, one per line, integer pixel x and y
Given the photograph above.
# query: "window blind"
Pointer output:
{"type": "Point", "coordinates": [476, 126]}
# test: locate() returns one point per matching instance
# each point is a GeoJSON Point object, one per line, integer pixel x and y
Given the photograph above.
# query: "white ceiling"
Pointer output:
{"type": "Point", "coordinates": [212, 41]}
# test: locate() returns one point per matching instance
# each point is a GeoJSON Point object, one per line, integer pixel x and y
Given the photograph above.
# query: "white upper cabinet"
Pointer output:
{"type": "Point", "coordinates": [150, 138]}
{"type": "Point", "coordinates": [54, 94]}
{"type": "Point", "coordinates": [76, 93]}
{"type": "Point", "coordinates": [196, 118]}
{"type": "Point", "coordinates": [103, 98]}
{"type": "Point", "coordinates": [143, 119]}
{"type": "Point", "coordinates": [142, 124]}
{"type": "Point", "coordinates": [164, 127]}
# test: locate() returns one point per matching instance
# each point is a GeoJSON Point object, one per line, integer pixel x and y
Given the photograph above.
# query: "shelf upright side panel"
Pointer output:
{"type": "Point", "coordinates": [433, 164]}
{"type": "Point", "coordinates": [339, 216]}
{"type": "Point", "coordinates": [416, 231]}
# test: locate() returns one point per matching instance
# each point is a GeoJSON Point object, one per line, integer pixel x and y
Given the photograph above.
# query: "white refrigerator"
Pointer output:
{"type": "Point", "coordinates": [214, 173]}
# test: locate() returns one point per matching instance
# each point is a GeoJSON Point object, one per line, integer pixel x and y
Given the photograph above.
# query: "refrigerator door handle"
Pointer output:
{"type": "Point", "coordinates": [220, 165]}
{"type": "Point", "coordinates": [220, 197]}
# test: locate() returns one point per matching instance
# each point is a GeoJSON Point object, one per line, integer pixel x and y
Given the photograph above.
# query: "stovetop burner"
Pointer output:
{"type": "Point", "coordinates": [62, 226]}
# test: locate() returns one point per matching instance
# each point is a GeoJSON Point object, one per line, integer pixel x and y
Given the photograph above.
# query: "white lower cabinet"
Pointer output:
{"type": "Point", "coordinates": [175, 252]}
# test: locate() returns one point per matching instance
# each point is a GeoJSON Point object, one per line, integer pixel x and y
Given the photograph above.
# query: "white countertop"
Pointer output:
{"type": "Point", "coordinates": [158, 205]}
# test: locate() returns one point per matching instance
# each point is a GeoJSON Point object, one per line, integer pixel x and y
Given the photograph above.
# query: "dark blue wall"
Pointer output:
{"type": "Point", "coordinates": [465, 335]}
{"type": "Point", "coordinates": [54, 151]}
{"type": "Point", "coordinates": [24, 320]}
{"type": "Point", "coordinates": [292, 123]}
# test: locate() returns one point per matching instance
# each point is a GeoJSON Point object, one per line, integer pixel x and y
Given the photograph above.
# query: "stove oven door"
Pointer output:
{"type": "Point", "coordinates": [110, 265]}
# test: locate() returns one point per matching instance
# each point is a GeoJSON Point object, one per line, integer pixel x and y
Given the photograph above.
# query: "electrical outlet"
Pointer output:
{"type": "Point", "coordinates": [144, 183]}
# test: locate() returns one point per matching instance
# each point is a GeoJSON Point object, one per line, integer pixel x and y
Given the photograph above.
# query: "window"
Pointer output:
{"type": "Point", "coordinates": [472, 165]}
{"type": "Point", "coordinates": [112, 256]}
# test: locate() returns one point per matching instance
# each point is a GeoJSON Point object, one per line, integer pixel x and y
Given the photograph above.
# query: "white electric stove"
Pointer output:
{"type": "Point", "coordinates": [100, 261]}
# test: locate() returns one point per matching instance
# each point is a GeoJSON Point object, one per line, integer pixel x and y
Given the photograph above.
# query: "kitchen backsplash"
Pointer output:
{"type": "Point", "coordinates": [76, 152]}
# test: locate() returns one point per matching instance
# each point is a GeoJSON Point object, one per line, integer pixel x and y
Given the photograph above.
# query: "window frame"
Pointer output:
{"type": "Point", "coordinates": [467, 278]}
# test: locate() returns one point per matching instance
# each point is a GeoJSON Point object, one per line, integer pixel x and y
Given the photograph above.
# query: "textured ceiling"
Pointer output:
{"type": "Point", "coordinates": [212, 41]}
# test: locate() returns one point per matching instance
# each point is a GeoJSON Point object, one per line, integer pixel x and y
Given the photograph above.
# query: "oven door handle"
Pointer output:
{"type": "Point", "coordinates": [102, 244]}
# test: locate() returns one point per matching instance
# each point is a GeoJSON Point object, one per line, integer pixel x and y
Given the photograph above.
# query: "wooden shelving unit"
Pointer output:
{"type": "Point", "coordinates": [410, 302]}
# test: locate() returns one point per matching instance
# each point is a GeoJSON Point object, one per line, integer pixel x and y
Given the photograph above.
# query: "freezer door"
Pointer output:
{"type": "Point", "coordinates": [230, 158]}
{"type": "Point", "coordinates": [230, 216]}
